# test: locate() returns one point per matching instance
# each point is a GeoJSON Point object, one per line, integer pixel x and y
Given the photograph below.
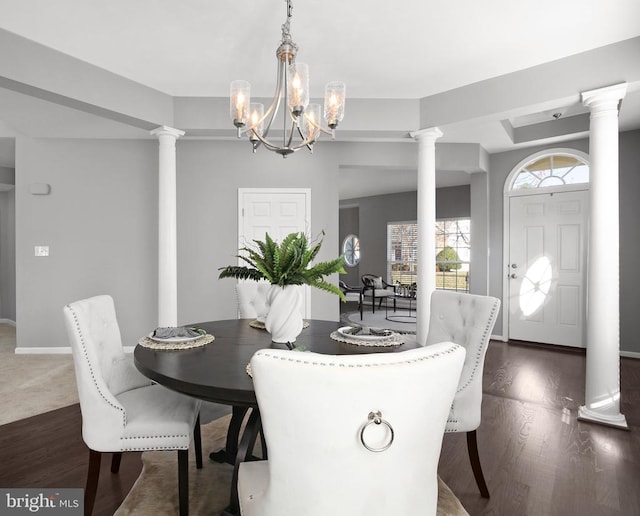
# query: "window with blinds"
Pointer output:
{"type": "Point", "coordinates": [402, 252]}
{"type": "Point", "coordinates": [453, 253]}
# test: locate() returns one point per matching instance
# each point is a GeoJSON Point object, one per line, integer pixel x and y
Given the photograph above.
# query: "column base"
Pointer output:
{"type": "Point", "coordinates": [593, 416]}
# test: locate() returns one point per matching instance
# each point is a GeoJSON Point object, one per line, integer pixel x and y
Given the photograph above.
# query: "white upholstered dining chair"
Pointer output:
{"type": "Point", "coordinates": [252, 299]}
{"type": "Point", "coordinates": [468, 320]}
{"type": "Point", "coordinates": [122, 410]}
{"type": "Point", "coordinates": [350, 434]}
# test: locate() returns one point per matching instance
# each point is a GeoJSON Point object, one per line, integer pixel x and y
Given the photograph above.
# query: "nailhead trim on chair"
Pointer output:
{"type": "Point", "coordinates": [315, 363]}
{"type": "Point", "coordinates": [485, 337]}
{"type": "Point", "coordinates": [93, 376]}
{"type": "Point", "coordinates": [153, 448]}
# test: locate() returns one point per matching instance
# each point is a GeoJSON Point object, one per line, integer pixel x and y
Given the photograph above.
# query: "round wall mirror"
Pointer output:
{"type": "Point", "coordinates": [351, 250]}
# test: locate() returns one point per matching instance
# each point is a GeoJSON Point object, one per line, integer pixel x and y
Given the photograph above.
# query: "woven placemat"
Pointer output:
{"type": "Point", "coordinates": [395, 339]}
{"type": "Point", "coordinates": [147, 342]}
{"type": "Point", "coordinates": [259, 325]}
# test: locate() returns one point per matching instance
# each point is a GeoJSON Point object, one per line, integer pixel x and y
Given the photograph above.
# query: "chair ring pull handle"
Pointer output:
{"type": "Point", "coordinates": [375, 418]}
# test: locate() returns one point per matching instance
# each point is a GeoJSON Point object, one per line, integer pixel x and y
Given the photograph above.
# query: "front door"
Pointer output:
{"type": "Point", "coordinates": [547, 268]}
{"type": "Point", "coordinates": [277, 211]}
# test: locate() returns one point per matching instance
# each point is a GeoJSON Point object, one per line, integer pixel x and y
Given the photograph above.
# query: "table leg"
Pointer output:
{"type": "Point", "coordinates": [230, 451]}
{"type": "Point", "coordinates": [247, 443]}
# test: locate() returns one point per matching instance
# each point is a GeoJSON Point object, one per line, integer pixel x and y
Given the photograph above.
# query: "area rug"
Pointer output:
{"type": "Point", "coordinates": [379, 320]}
{"type": "Point", "coordinates": [156, 490]}
{"type": "Point", "coordinates": [32, 384]}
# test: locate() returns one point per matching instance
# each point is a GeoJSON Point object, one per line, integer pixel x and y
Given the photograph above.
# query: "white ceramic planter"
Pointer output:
{"type": "Point", "coordinates": [284, 315]}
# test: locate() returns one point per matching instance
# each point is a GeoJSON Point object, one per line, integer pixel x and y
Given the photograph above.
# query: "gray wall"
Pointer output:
{"type": "Point", "coordinates": [7, 255]}
{"type": "Point", "coordinates": [629, 240]}
{"type": "Point", "coordinates": [7, 176]}
{"type": "Point", "coordinates": [349, 224]}
{"type": "Point", "coordinates": [479, 267]}
{"type": "Point", "coordinates": [100, 223]}
{"type": "Point", "coordinates": [377, 211]}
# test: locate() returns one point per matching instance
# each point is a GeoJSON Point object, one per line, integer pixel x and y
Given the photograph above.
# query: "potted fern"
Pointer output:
{"type": "Point", "coordinates": [286, 265]}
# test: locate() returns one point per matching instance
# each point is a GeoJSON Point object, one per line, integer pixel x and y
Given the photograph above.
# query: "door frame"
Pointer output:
{"type": "Point", "coordinates": [506, 216]}
{"type": "Point", "coordinates": [307, 230]}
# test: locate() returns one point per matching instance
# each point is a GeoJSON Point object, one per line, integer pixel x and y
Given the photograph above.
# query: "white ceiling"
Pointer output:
{"type": "Point", "coordinates": [381, 49]}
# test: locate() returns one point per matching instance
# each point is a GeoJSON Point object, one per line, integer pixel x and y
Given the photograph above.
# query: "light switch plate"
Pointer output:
{"type": "Point", "coordinates": [42, 250]}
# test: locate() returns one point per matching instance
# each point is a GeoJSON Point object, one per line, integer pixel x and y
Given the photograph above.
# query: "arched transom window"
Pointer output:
{"type": "Point", "coordinates": [551, 170]}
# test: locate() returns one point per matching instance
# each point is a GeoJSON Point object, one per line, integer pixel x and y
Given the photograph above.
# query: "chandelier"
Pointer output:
{"type": "Point", "coordinates": [301, 123]}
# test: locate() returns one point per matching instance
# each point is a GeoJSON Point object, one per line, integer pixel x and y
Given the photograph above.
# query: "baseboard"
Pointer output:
{"type": "Point", "coordinates": [7, 321]}
{"type": "Point", "coordinates": [60, 350]}
{"type": "Point", "coordinates": [499, 337]}
{"type": "Point", "coordinates": [630, 354]}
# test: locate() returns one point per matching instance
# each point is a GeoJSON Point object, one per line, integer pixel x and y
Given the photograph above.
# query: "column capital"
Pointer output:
{"type": "Point", "coordinates": [604, 98]}
{"type": "Point", "coordinates": [430, 133]}
{"type": "Point", "coordinates": [165, 130]}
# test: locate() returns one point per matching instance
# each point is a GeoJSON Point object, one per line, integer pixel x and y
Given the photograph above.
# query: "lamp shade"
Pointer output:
{"type": "Point", "coordinates": [239, 100]}
{"type": "Point", "coordinates": [298, 88]}
{"type": "Point", "coordinates": [334, 98]}
{"type": "Point", "coordinates": [311, 125]}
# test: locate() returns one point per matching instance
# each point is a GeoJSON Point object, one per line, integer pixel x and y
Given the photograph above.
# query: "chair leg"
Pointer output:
{"type": "Point", "coordinates": [373, 304]}
{"type": "Point", "coordinates": [115, 462]}
{"type": "Point", "coordinates": [472, 447]}
{"type": "Point", "coordinates": [183, 482]}
{"type": "Point", "coordinates": [265, 453]}
{"type": "Point", "coordinates": [91, 486]}
{"type": "Point", "coordinates": [360, 306]}
{"type": "Point", "coordinates": [197, 442]}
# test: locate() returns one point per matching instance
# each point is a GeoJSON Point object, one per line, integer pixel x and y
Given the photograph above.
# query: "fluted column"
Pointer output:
{"type": "Point", "coordinates": [602, 390]}
{"type": "Point", "coordinates": [167, 221]}
{"type": "Point", "coordinates": [426, 139]}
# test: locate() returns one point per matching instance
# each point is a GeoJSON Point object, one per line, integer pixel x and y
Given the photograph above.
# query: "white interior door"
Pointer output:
{"type": "Point", "coordinates": [277, 211]}
{"type": "Point", "coordinates": [547, 268]}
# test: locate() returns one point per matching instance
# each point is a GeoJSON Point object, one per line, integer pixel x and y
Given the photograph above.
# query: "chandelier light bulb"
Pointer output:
{"type": "Point", "coordinates": [298, 90]}
{"type": "Point", "coordinates": [240, 98]}
{"type": "Point", "coordinates": [334, 99]}
{"type": "Point", "coordinates": [311, 127]}
{"type": "Point", "coordinates": [256, 118]}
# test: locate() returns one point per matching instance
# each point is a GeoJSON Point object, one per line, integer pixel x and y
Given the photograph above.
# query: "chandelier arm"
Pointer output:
{"type": "Point", "coordinates": [294, 124]}
{"type": "Point", "coordinates": [285, 96]}
{"type": "Point", "coordinates": [277, 98]}
{"type": "Point", "coordinates": [320, 128]}
{"type": "Point", "coordinates": [309, 143]}
{"type": "Point", "coordinates": [305, 143]}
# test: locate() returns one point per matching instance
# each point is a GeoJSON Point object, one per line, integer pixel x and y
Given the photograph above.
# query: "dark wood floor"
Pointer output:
{"type": "Point", "coordinates": [538, 459]}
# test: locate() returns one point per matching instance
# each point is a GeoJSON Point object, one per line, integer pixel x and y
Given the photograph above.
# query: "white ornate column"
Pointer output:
{"type": "Point", "coordinates": [602, 390]}
{"type": "Point", "coordinates": [426, 226]}
{"type": "Point", "coordinates": [167, 220]}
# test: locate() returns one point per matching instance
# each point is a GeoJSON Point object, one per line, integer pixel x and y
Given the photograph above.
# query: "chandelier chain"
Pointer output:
{"type": "Point", "coordinates": [286, 26]}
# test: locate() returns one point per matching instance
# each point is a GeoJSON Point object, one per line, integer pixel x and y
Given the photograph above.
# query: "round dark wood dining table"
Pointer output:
{"type": "Point", "coordinates": [217, 372]}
